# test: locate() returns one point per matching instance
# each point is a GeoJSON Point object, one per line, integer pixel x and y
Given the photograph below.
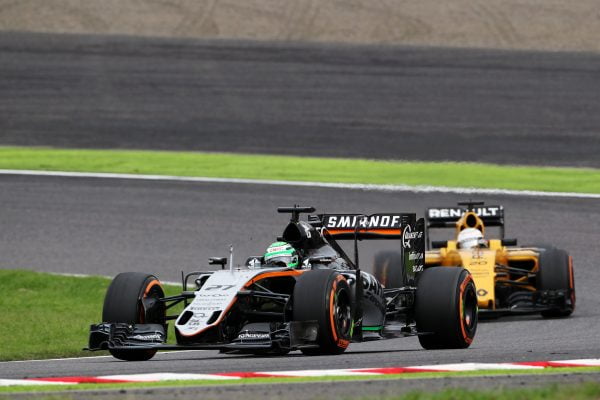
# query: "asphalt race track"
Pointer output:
{"type": "Point", "coordinates": [106, 226]}
{"type": "Point", "coordinates": [503, 107]}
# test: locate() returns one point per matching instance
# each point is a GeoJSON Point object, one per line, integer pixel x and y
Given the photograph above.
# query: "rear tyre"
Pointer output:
{"type": "Point", "coordinates": [388, 269]}
{"type": "Point", "coordinates": [446, 308]}
{"type": "Point", "coordinates": [123, 303]}
{"type": "Point", "coordinates": [556, 274]}
{"type": "Point", "coordinates": [324, 296]}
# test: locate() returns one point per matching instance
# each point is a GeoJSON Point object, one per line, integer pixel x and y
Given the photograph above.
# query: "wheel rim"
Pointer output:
{"type": "Point", "coordinates": [469, 310]}
{"type": "Point", "coordinates": [572, 283]}
{"type": "Point", "coordinates": [342, 314]}
{"type": "Point", "coordinates": [154, 291]}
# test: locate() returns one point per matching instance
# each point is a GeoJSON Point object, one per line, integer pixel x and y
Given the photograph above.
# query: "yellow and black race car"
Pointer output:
{"type": "Point", "coordinates": [508, 278]}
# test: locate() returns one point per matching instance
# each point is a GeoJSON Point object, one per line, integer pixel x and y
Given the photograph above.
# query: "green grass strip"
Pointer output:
{"type": "Point", "coordinates": [288, 380]}
{"type": "Point", "coordinates": [49, 316]}
{"type": "Point", "coordinates": [191, 164]}
{"type": "Point", "coordinates": [46, 316]}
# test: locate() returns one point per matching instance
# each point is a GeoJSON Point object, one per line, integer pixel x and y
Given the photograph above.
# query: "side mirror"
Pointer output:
{"type": "Point", "coordinates": [222, 261]}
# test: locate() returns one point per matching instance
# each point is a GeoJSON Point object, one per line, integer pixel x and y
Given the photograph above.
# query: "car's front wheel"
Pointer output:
{"type": "Point", "coordinates": [324, 296]}
{"type": "Point", "coordinates": [555, 274]}
{"type": "Point", "coordinates": [446, 308]}
{"type": "Point", "coordinates": [123, 303]}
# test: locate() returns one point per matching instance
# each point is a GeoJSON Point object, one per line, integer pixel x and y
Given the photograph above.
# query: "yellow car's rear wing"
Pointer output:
{"type": "Point", "coordinates": [447, 217]}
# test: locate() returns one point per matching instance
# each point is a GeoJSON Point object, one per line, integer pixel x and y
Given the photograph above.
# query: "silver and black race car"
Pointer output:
{"type": "Point", "coordinates": [314, 303]}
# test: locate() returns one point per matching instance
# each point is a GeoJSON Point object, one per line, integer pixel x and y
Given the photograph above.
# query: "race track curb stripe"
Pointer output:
{"type": "Point", "coordinates": [331, 185]}
{"type": "Point", "coordinates": [356, 372]}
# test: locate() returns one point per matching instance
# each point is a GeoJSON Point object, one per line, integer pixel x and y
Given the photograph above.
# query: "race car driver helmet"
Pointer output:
{"type": "Point", "coordinates": [282, 253]}
{"type": "Point", "coordinates": [469, 238]}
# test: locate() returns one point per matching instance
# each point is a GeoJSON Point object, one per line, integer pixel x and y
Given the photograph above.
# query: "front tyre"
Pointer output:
{"type": "Point", "coordinates": [556, 274]}
{"type": "Point", "coordinates": [324, 296]}
{"type": "Point", "coordinates": [446, 308]}
{"type": "Point", "coordinates": [123, 303]}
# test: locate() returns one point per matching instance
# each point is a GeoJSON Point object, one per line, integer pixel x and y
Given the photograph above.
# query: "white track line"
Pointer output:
{"type": "Point", "coordinates": [22, 382]}
{"type": "Point", "coordinates": [162, 353]}
{"type": "Point", "coordinates": [472, 367]}
{"type": "Point", "coordinates": [167, 376]}
{"type": "Point", "coordinates": [589, 362]}
{"type": "Point", "coordinates": [354, 186]}
{"type": "Point", "coordinates": [55, 359]}
{"type": "Point", "coordinates": [321, 372]}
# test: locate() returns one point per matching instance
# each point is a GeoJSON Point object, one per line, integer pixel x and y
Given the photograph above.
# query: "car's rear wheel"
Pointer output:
{"type": "Point", "coordinates": [446, 308]}
{"type": "Point", "coordinates": [324, 296]}
{"type": "Point", "coordinates": [388, 269]}
{"type": "Point", "coordinates": [556, 275]}
{"type": "Point", "coordinates": [123, 303]}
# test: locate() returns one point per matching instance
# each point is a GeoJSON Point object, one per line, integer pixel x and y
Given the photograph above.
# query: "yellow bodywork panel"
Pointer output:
{"type": "Point", "coordinates": [481, 264]}
{"type": "Point", "coordinates": [495, 265]}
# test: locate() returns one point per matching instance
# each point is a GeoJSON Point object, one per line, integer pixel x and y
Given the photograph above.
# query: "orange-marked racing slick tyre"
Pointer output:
{"type": "Point", "coordinates": [123, 303]}
{"type": "Point", "coordinates": [446, 308]}
{"type": "Point", "coordinates": [556, 275]}
{"type": "Point", "coordinates": [324, 296]}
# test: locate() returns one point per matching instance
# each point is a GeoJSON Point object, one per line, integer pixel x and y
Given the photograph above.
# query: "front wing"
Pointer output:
{"type": "Point", "coordinates": [262, 337]}
{"type": "Point", "coordinates": [531, 303]}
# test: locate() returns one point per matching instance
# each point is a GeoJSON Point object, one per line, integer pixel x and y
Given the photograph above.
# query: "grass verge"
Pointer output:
{"type": "Point", "coordinates": [489, 176]}
{"type": "Point", "coordinates": [48, 316]}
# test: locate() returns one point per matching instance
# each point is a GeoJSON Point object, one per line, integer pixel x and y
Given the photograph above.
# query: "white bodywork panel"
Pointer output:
{"type": "Point", "coordinates": [216, 295]}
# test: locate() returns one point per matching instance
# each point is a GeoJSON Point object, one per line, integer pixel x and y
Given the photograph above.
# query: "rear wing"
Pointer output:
{"type": "Point", "coordinates": [404, 227]}
{"type": "Point", "coordinates": [446, 217]}
{"type": "Point", "coordinates": [375, 226]}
